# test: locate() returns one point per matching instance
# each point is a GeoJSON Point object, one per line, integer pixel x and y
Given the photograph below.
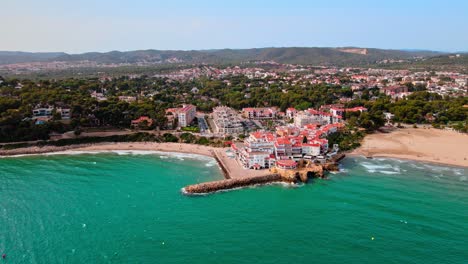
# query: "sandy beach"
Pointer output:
{"type": "Point", "coordinates": [232, 168]}
{"type": "Point", "coordinates": [420, 144]}
{"type": "Point", "coordinates": [151, 146]}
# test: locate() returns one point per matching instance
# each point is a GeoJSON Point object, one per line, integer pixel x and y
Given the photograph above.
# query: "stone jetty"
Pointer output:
{"type": "Point", "coordinates": [303, 173]}
{"type": "Point", "coordinates": [209, 187]}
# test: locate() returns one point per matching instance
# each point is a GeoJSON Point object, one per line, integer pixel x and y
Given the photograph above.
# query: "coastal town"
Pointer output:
{"type": "Point", "coordinates": [263, 118]}
{"type": "Point", "coordinates": [358, 84]}
{"type": "Point", "coordinates": [395, 83]}
{"type": "Point", "coordinates": [266, 116]}
{"type": "Point", "coordinates": [234, 132]}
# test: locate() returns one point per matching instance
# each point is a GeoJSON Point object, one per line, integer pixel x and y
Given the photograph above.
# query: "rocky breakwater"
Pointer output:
{"type": "Point", "coordinates": [333, 164]}
{"type": "Point", "coordinates": [305, 171]}
{"type": "Point", "coordinates": [209, 187]}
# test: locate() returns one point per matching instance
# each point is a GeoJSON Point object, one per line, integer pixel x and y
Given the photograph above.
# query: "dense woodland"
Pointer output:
{"type": "Point", "coordinates": [154, 95]}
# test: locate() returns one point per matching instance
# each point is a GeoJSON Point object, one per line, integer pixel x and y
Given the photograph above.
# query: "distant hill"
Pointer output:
{"type": "Point", "coordinates": [456, 61]}
{"type": "Point", "coordinates": [9, 57]}
{"type": "Point", "coordinates": [294, 55]}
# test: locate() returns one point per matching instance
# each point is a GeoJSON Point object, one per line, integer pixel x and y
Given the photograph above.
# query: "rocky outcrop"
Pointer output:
{"type": "Point", "coordinates": [209, 187]}
{"type": "Point", "coordinates": [332, 166]}
{"type": "Point", "coordinates": [301, 174]}
{"type": "Point", "coordinates": [305, 171]}
{"type": "Point", "coordinates": [338, 157]}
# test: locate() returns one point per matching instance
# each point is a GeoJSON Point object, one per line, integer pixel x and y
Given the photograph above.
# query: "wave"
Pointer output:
{"type": "Point", "coordinates": [391, 159]}
{"type": "Point", "coordinates": [211, 163]}
{"type": "Point", "coordinates": [382, 167]}
{"type": "Point", "coordinates": [390, 167]}
{"type": "Point", "coordinates": [389, 172]}
{"type": "Point", "coordinates": [373, 166]}
{"type": "Point", "coordinates": [416, 166]}
{"type": "Point", "coordinates": [162, 154]}
{"type": "Point", "coordinates": [440, 169]}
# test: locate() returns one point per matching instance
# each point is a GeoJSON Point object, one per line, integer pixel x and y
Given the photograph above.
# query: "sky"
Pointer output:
{"type": "Point", "coordinates": [103, 25]}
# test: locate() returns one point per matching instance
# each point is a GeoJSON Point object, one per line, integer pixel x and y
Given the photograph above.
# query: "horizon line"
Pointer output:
{"type": "Point", "coordinates": [215, 49]}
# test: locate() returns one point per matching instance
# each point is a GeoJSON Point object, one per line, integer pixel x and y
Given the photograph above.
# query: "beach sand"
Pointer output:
{"type": "Point", "coordinates": [421, 144]}
{"type": "Point", "coordinates": [231, 165]}
{"type": "Point", "coordinates": [233, 169]}
{"type": "Point", "coordinates": [151, 146]}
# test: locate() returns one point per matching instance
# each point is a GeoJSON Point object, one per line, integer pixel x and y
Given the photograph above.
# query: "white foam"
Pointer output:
{"type": "Point", "coordinates": [374, 167]}
{"type": "Point", "coordinates": [441, 169]}
{"type": "Point", "coordinates": [384, 168]}
{"type": "Point", "coordinates": [19, 155]}
{"type": "Point", "coordinates": [391, 159]}
{"type": "Point", "coordinates": [416, 166]}
{"type": "Point", "coordinates": [212, 163]}
{"type": "Point", "coordinates": [389, 172]}
{"type": "Point", "coordinates": [162, 154]}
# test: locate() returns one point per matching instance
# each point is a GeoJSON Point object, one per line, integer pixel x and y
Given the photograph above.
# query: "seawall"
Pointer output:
{"type": "Point", "coordinates": [209, 187]}
{"type": "Point", "coordinates": [221, 165]}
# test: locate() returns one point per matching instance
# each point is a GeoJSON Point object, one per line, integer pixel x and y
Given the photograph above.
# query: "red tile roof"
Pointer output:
{"type": "Point", "coordinates": [286, 163]}
{"type": "Point", "coordinates": [283, 141]}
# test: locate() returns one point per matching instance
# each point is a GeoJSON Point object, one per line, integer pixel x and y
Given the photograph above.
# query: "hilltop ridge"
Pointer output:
{"type": "Point", "coordinates": [294, 55]}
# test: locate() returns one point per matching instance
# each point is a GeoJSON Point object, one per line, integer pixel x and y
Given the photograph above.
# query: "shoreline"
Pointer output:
{"type": "Point", "coordinates": [404, 158]}
{"type": "Point", "coordinates": [427, 145]}
{"type": "Point", "coordinates": [394, 145]}
{"type": "Point", "coordinates": [150, 146]}
{"type": "Point", "coordinates": [229, 167]}
{"type": "Point", "coordinates": [110, 147]}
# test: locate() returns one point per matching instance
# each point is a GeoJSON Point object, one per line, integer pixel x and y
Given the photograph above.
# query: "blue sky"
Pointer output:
{"type": "Point", "coordinates": [104, 25]}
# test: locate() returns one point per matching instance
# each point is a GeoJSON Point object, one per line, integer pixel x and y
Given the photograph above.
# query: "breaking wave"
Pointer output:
{"type": "Point", "coordinates": [161, 154]}
{"type": "Point", "coordinates": [381, 168]}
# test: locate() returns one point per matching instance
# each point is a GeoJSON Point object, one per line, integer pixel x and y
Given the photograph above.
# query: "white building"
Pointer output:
{"type": "Point", "coordinates": [39, 112]}
{"type": "Point", "coordinates": [255, 160]}
{"type": "Point", "coordinates": [291, 112]}
{"type": "Point", "coordinates": [128, 99]}
{"type": "Point", "coordinates": [227, 121]}
{"type": "Point", "coordinates": [312, 117]}
{"type": "Point", "coordinates": [65, 113]}
{"type": "Point", "coordinates": [186, 115]}
{"type": "Point", "coordinates": [46, 113]}
{"type": "Point", "coordinates": [259, 113]}
{"type": "Point", "coordinates": [311, 149]}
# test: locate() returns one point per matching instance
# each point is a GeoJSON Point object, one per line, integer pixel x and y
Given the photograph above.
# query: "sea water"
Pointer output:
{"type": "Point", "coordinates": [127, 207]}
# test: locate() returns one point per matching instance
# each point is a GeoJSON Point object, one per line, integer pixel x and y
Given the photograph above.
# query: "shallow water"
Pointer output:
{"type": "Point", "coordinates": [127, 208]}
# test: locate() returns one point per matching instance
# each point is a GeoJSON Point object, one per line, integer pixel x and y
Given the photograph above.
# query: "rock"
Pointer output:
{"type": "Point", "coordinates": [214, 186]}
{"type": "Point", "coordinates": [331, 166]}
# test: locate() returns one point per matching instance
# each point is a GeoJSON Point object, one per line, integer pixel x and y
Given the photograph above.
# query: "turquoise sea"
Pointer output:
{"type": "Point", "coordinates": [128, 208]}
